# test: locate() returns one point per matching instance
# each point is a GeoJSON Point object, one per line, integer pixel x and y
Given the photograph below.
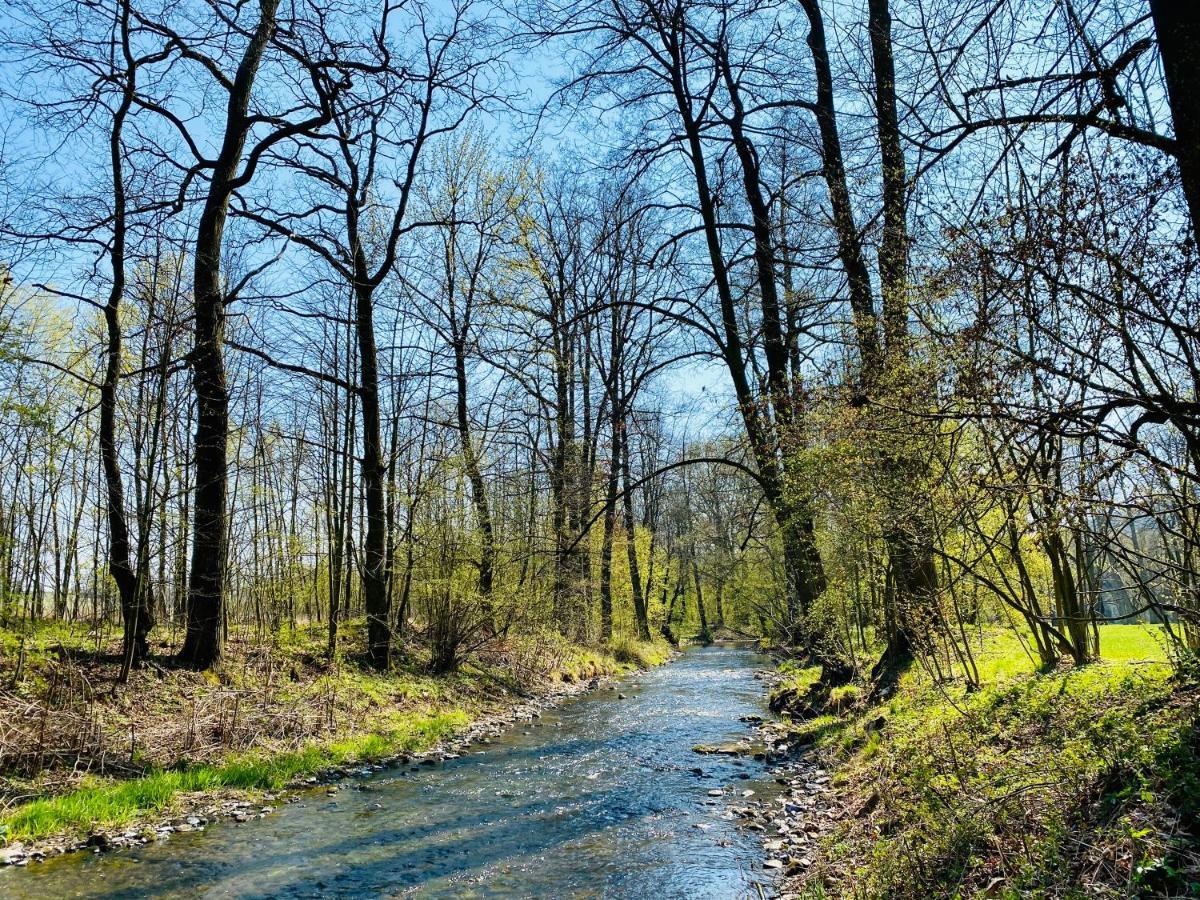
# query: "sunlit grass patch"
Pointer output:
{"type": "Point", "coordinates": [799, 677]}
{"type": "Point", "coordinates": [1025, 784]}
{"type": "Point", "coordinates": [1002, 653]}
{"type": "Point", "coordinates": [640, 654]}
{"type": "Point", "coordinates": [107, 804]}
{"type": "Point", "coordinates": [1133, 643]}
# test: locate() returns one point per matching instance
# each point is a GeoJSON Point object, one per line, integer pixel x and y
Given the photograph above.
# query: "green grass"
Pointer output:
{"type": "Point", "coordinates": [1026, 785]}
{"type": "Point", "coordinates": [1133, 643]}
{"type": "Point", "coordinates": [795, 688]}
{"type": "Point", "coordinates": [575, 662]}
{"type": "Point", "coordinates": [1001, 654]}
{"type": "Point", "coordinates": [639, 654]}
{"type": "Point", "coordinates": [109, 804]}
{"type": "Point", "coordinates": [404, 710]}
{"type": "Point", "coordinates": [816, 730]}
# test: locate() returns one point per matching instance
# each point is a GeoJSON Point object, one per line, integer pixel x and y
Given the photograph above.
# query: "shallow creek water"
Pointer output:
{"type": "Point", "coordinates": [598, 798]}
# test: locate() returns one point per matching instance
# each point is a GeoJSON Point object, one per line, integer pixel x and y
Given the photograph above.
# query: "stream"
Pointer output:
{"type": "Point", "coordinates": [600, 797]}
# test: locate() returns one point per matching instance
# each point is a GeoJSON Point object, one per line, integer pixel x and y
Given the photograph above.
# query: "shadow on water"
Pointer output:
{"type": "Point", "coordinates": [601, 797]}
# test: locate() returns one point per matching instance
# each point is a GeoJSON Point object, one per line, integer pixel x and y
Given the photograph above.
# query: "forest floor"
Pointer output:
{"type": "Point", "coordinates": [1081, 782]}
{"type": "Point", "coordinates": [86, 762]}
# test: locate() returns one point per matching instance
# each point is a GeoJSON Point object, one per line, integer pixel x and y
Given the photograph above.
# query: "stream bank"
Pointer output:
{"type": "Point", "coordinates": [199, 747]}
{"type": "Point", "coordinates": [602, 794]}
{"type": "Point", "coordinates": [1077, 781]}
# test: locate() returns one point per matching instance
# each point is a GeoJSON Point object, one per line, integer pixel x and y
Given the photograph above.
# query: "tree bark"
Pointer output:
{"type": "Point", "coordinates": [1177, 25]}
{"type": "Point", "coordinates": [850, 253]}
{"type": "Point", "coordinates": [635, 579]}
{"type": "Point", "coordinates": [202, 644]}
{"type": "Point", "coordinates": [705, 635]}
{"type": "Point", "coordinates": [908, 536]}
{"type": "Point", "coordinates": [135, 613]}
{"type": "Point", "coordinates": [606, 546]}
{"type": "Point", "coordinates": [479, 498]}
{"type": "Point", "coordinates": [802, 561]}
{"type": "Point", "coordinates": [374, 471]}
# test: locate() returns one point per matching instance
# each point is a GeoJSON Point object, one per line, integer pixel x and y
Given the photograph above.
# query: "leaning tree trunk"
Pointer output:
{"type": "Point", "coordinates": [206, 585]}
{"type": "Point", "coordinates": [802, 561]}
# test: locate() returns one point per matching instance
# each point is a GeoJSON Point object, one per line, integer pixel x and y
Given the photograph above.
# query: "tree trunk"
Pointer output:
{"type": "Point", "coordinates": [135, 614]}
{"type": "Point", "coordinates": [705, 635]}
{"type": "Point", "coordinates": [1177, 25]}
{"type": "Point", "coordinates": [850, 254]}
{"type": "Point", "coordinates": [908, 536]}
{"type": "Point", "coordinates": [374, 571]}
{"type": "Point", "coordinates": [206, 587]}
{"type": "Point", "coordinates": [802, 562]}
{"type": "Point", "coordinates": [479, 499]}
{"type": "Point", "coordinates": [606, 547]}
{"type": "Point", "coordinates": [635, 578]}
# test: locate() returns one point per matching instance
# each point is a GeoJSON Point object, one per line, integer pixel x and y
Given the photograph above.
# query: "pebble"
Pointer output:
{"type": "Point", "coordinates": [12, 854]}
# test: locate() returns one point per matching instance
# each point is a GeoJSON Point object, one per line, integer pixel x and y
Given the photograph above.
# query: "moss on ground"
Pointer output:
{"type": "Point", "coordinates": [796, 692]}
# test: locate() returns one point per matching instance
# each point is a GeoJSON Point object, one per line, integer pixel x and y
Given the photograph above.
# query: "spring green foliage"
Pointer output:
{"type": "Point", "coordinates": [797, 680]}
{"type": "Point", "coordinates": [623, 654]}
{"type": "Point", "coordinates": [638, 654]}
